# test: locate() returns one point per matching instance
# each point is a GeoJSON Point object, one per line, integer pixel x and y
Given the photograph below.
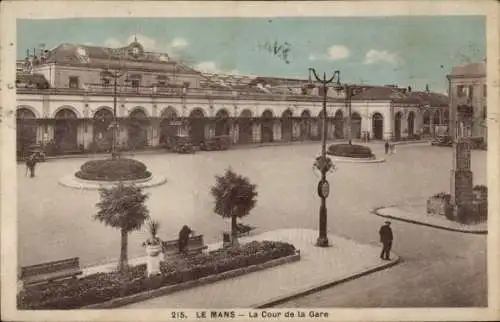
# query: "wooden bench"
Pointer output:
{"type": "Point", "coordinates": [51, 271]}
{"type": "Point", "coordinates": [195, 245]}
{"type": "Point", "coordinates": [242, 230]}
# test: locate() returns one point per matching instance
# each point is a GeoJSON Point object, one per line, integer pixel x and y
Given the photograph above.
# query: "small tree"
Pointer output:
{"type": "Point", "coordinates": [122, 207]}
{"type": "Point", "coordinates": [234, 197]}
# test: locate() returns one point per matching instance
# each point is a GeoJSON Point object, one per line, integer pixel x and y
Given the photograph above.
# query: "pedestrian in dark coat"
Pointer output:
{"type": "Point", "coordinates": [386, 237]}
{"type": "Point", "coordinates": [31, 164]}
{"type": "Point", "coordinates": [386, 147]}
{"type": "Point", "coordinates": [184, 237]}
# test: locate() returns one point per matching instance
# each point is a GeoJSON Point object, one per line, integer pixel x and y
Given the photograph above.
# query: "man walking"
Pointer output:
{"type": "Point", "coordinates": [386, 147]}
{"type": "Point", "coordinates": [30, 165]}
{"type": "Point", "coordinates": [386, 237]}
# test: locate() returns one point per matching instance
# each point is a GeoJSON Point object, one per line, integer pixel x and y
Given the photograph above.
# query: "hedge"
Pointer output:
{"type": "Point", "coordinates": [101, 287]}
{"type": "Point", "coordinates": [351, 151]}
{"type": "Point", "coordinates": [113, 170]}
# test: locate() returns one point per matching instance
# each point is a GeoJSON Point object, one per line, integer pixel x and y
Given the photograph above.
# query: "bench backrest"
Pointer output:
{"type": "Point", "coordinates": [193, 241]}
{"type": "Point", "coordinates": [50, 267]}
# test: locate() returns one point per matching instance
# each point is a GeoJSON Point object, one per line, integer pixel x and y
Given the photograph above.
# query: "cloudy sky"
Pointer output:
{"type": "Point", "coordinates": [409, 51]}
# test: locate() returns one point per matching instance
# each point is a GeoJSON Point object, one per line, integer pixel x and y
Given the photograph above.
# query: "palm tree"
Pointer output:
{"type": "Point", "coordinates": [234, 197]}
{"type": "Point", "coordinates": [122, 207]}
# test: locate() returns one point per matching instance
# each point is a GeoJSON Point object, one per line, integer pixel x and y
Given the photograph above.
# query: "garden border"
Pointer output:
{"type": "Point", "coordinates": [71, 181]}
{"type": "Point", "coordinates": [355, 160]}
{"type": "Point", "coordinates": [142, 296]}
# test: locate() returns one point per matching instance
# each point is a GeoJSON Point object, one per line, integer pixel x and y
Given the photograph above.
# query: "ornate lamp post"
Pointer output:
{"type": "Point", "coordinates": [323, 163]}
{"type": "Point", "coordinates": [115, 74]}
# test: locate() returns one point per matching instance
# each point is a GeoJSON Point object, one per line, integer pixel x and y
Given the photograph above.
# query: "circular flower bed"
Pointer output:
{"type": "Point", "coordinates": [113, 170]}
{"type": "Point", "coordinates": [351, 151]}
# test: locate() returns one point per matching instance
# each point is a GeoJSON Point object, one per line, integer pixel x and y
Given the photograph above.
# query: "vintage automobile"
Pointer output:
{"type": "Point", "coordinates": [37, 151]}
{"type": "Point", "coordinates": [221, 142]}
{"type": "Point", "coordinates": [183, 144]}
{"type": "Point", "coordinates": [444, 140]}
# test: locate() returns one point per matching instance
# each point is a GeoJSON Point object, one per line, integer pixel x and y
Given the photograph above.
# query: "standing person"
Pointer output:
{"type": "Point", "coordinates": [184, 237]}
{"type": "Point", "coordinates": [386, 237]}
{"type": "Point", "coordinates": [386, 145]}
{"type": "Point", "coordinates": [31, 164]}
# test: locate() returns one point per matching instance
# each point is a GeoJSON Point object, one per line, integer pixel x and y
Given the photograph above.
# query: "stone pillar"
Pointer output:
{"type": "Point", "coordinates": [295, 130]}
{"type": "Point", "coordinates": [88, 133]}
{"type": "Point", "coordinates": [256, 128]}
{"type": "Point", "coordinates": [40, 134]}
{"type": "Point", "coordinates": [388, 127]}
{"type": "Point", "coordinates": [331, 129]}
{"type": "Point", "coordinates": [80, 133]}
{"type": "Point", "coordinates": [235, 132]}
{"type": "Point", "coordinates": [277, 130]}
{"type": "Point", "coordinates": [154, 133]}
{"type": "Point", "coordinates": [209, 131]}
{"type": "Point", "coordinates": [122, 137]}
{"type": "Point", "coordinates": [314, 129]}
{"type": "Point", "coordinates": [461, 181]}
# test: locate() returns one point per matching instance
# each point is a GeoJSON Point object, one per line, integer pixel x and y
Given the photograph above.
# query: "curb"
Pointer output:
{"type": "Point", "coordinates": [322, 286]}
{"type": "Point", "coordinates": [146, 295]}
{"type": "Point", "coordinates": [354, 160]}
{"type": "Point", "coordinates": [72, 182]}
{"type": "Point", "coordinates": [476, 232]}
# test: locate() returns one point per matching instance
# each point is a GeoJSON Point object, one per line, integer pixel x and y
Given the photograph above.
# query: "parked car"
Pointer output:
{"type": "Point", "coordinates": [442, 141]}
{"type": "Point", "coordinates": [183, 144]}
{"type": "Point", "coordinates": [221, 142]}
{"type": "Point", "coordinates": [37, 151]}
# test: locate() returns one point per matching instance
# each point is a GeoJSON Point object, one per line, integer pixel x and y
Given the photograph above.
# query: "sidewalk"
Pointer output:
{"type": "Point", "coordinates": [318, 268]}
{"type": "Point", "coordinates": [418, 215]}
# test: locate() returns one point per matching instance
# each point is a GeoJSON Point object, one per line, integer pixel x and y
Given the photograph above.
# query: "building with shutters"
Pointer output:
{"type": "Point", "coordinates": [469, 96]}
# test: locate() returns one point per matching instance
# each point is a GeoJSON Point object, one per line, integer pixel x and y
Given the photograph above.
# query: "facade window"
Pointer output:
{"type": "Point", "coordinates": [74, 82]}
{"type": "Point", "coordinates": [135, 83]}
{"type": "Point", "coordinates": [485, 113]}
{"type": "Point", "coordinates": [485, 88]}
{"type": "Point", "coordinates": [162, 83]}
{"type": "Point", "coordinates": [106, 82]}
{"type": "Point", "coordinates": [470, 91]}
{"type": "Point", "coordinates": [460, 90]}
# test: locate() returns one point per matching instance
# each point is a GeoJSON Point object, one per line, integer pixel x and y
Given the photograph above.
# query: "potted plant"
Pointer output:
{"type": "Point", "coordinates": [153, 244]}
{"type": "Point", "coordinates": [153, 248]}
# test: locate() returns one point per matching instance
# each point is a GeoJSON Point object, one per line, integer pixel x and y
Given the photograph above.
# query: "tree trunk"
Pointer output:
{"type": "Point", "coordinates": [233, 229]}
{"type": "Point", "coordinates": [123, 265]}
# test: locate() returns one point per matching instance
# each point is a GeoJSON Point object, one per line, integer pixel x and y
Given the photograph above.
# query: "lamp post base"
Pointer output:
{"type": "Point", "coordinates": [322, 242]}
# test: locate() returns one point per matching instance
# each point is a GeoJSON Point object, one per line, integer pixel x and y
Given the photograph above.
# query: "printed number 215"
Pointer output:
{"type": "Point", "coordinates": [178, 315]}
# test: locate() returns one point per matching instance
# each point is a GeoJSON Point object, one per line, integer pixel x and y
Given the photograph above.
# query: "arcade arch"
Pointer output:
{"type": "Point", "coordinates": [411, 124]}
{"type": "Point", "coordinates": [138, 129]}
{"type": "Point", "coordinates": [66, 130]}
{"type": "Point", "coordinates": [267, 122]}
{"type": "Point", "coordinates": [103, 129]}
{"type": "Point", "coordinates": [25, 130]}
{"type": "Point", "coordinates": [222, 124]}
{"type": "Point", "coordinates": [286, 125]}
{"type": "Point", "coordinates": [397, 126]}
{"type": "Point", "coordinates": [338, 121]}
{"type": "Point", "coordinates": [305, 125]}
{"type": "Point", "coordinates": [197, 126]}
{"type": "Point", "coordinates": [245, 126]}
{"type": "Point", "coordinates": [356, 125]}
{"type": "Point", "coordinates": [169, 126]}
{"type": "Point", "coordinates": [378, 126]}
